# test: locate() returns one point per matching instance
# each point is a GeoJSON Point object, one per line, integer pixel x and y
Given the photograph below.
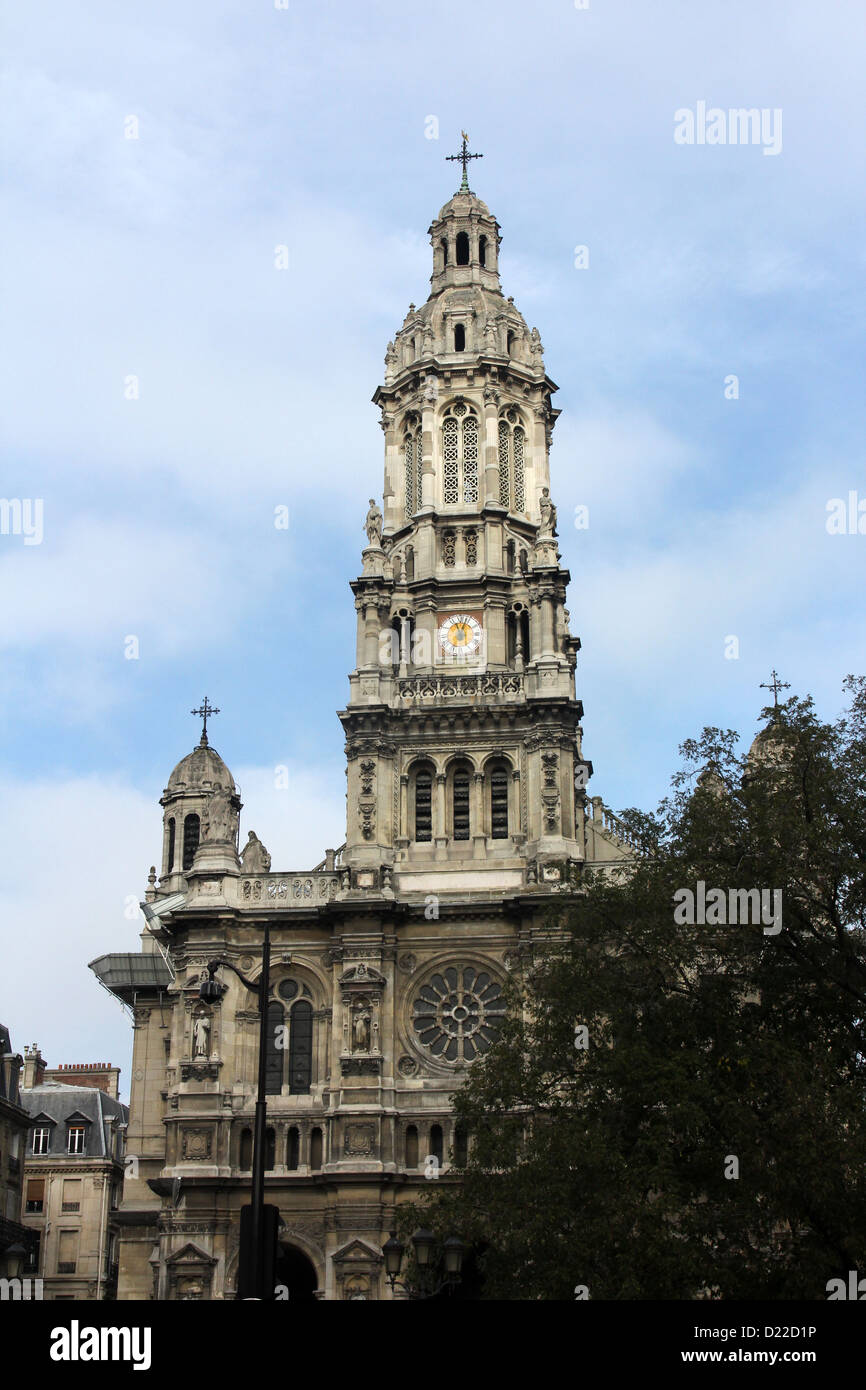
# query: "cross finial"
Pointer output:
{"type": "Point", "coordinates": [775, 685]}
{"type": "Point", "coordinates": [464, 156]}
{"type": "Point", "coordinates": [203, 713]}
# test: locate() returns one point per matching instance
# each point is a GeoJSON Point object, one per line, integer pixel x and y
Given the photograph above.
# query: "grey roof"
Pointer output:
{"type": "Point", "coordinates": [53, 1104]}
{"type": "Point", "coordinates": [124, 973]}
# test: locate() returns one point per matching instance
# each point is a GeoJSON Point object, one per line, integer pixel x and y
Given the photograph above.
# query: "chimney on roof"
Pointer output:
{"type": "Point", "coordinates": [34, 1067]}
{"type": "Point", "coordinates": [100, 1076]}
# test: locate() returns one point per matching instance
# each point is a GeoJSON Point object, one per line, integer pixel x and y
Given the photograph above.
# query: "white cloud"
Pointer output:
{"type": "Point", "coordinates": [76, 857]}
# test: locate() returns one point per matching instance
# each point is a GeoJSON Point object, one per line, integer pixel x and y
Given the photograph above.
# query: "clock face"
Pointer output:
{"type": "Point", "coordinates": [461, 633]}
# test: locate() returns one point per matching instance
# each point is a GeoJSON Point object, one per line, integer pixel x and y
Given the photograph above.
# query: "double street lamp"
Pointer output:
{"type": "Point", "coordinates": [423, 1242]}
{"type": "Point", "coordinates": [256, 1266]}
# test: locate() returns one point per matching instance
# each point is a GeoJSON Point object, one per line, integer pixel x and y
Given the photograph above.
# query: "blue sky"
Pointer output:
{"type": "Point", "coordinates": [307, 128]}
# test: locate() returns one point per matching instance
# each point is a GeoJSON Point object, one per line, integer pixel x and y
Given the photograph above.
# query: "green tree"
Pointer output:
{"type": "Point", "coordinates": [709, 1139]}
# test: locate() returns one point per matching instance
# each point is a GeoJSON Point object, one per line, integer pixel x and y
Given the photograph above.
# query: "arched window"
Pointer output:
{"type": "Point", "coordinates": [436, 1146]}
{"type": "Point", "coordinates": [169, 863]}
{"type": "Point", "coordinates": [482, 251]}
{"type": "Point", "coordinates": [444, 244]}
{"type": "Point", "coordinates": [411, 1146]}
{"type": "Point", "coordinates": [459, 338]}
{"type": "Point", "coordinates": [293, 1148]}
{"type": "Point", "coordinates": [512, 450]}
{"type": "Point", "coordinates": [509, 343]}
{"type": "Point", "coordinates": [245, 1157]}
{"type": "Point", "coordinates": [410, 563]}
{"type": "Point", "coordinates": [462, 248]}
{"type": "Point", "coordinates": [191, 836]}
{"type": "Point", "coordinates": [316, 1148]}
{"type": "Point", "coordinates": [275, 1049]}
{"type": "Point", "coordinates": [499, 803]}
{"type": "Point", "coordinates": [424, 805]}
{"type": "Point", "coordinates": [460, 455]}
{"type": "Point", "coordinates": [460, 784]}
{"type": "Point", "coordinates": [270, 1150]}
{"type": "Point", "coordinates": [300, 1047]}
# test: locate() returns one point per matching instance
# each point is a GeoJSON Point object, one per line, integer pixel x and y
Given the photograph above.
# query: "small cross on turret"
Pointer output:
{"type": "Point", "coordinates": [464, 156]}
{"type": "Point", "coordinates": [203, 712]}
{"type": "Point", "coordinates": [775, 685]}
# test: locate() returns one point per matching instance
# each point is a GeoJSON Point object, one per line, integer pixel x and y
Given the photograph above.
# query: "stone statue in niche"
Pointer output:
{"type": "Point", "coordinates": [548, 514]}
{"type": "Point", "coordinates": [254, 856]}
{"type": "Point", "coordinates": [373, 524]}
{"type": "Point", "coordinates": [200, 1032]}
{"type": "Point", "coordinates": [219, 817]}
{"type": "Point", "coordinates": [361, 1028]}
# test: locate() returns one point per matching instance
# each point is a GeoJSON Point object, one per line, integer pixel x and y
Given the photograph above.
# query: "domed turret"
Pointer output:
{"type": "Point", "coordinates": [203, 768]}
{"type": "Point", "coordinates": [201, 789]}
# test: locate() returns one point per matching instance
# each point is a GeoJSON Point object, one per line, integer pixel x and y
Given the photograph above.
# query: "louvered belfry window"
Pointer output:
{"type": "Point", "coordinates": [460, 456]}
{"type": "Point", "coordinates": [499, 804]}
{"type": "Point", "coordinates": [424, 806]}
{"type": "Point", "coordinates": [412, 460]}
{"type": "Point", "coordinates": [512, 451]}
{"type": "Point", "coordinates": [461, 804]}
{"type": "Point", "coordinates": [191, 836]}
{"type": "Point", "coordinates": [409, 459]}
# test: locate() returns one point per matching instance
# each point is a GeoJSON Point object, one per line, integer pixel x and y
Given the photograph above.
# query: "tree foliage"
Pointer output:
{"type": "Point", "coordinates": [711, 1049]}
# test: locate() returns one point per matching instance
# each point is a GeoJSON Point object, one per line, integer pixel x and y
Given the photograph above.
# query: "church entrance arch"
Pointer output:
{"type": "Point", "coordinates": [296, 1275]}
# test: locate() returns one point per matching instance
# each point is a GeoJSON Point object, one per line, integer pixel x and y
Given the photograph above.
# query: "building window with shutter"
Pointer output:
{"type": "Point", "coordinates": [34, 1201]}
{"type": "Point", "coordinates": [71, 1195]}
{"type": "Point", "coordinates": [67, 1252]}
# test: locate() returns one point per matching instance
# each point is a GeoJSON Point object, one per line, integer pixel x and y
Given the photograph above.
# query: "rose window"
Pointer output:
{"type": "Point", "coordinates": [457, 1014]}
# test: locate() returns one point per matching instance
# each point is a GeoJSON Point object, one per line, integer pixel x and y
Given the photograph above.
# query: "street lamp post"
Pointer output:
{"type": "Point", "coordinates": [423, 1241]}
{"type": "Point", "coordinates": [211, 990]}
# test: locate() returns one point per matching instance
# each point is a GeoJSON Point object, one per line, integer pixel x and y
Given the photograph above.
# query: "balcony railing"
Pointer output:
{"type": "Point", "coordinates": [418, 689]}
{"type": "Point", "coordinates": [289, 890]}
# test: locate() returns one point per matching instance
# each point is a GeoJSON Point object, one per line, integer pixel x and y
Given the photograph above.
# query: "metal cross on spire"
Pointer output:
{"type": "Point", "coordinates": [775, 685]}
{"type": "Point", "coordinates": [464, 156]}
{"type": "Point", "coordinates": [203, 713]}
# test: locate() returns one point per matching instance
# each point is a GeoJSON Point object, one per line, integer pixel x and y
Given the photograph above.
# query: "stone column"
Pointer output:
{"type": "Point", "coordinates": [476, 816]}
{"type": "Point", "coordinates": [491, 446]}
{"type": "Point", "coordinates": [536, 641]}
{"type": "Point", "coordinates": [359, 642]}
{"type": "Point", "coordinates": [371, 634]}
{"type": "Point", "coordinates": [428, 476]}
{"type": "Point", "coordinates": [439, 815]}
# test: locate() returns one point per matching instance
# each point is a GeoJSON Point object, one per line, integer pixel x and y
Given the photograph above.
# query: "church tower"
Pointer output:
{"type": "Point", "coordinates": [463, 729]}
{"type": "Point", "coordinates": [467, 819]}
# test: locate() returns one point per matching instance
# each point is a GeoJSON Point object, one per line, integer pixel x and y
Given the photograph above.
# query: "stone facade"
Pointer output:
{"type": "Point", "coordinates": [467, 818]}
{"type": "Point", "coordinates": [73, 1178]}
{"type": "Point", "coordinates": [14, 1127]}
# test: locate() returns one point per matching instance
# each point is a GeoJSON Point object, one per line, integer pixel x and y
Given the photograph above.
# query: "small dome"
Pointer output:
{"type": "Point", "coordinates": [202, 768]}
{"type": "Point", "coordinates": [462, 204]}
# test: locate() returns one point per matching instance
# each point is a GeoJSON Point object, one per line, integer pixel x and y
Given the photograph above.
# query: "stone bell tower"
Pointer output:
{"type": "Point", "coordinates": [463, 729]}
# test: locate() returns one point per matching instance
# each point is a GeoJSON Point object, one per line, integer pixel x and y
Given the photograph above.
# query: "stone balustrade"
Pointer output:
{"type": "Point", "coordinates": [455, 686]}
{"type": "Point", "coordinates": [288, 890]}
